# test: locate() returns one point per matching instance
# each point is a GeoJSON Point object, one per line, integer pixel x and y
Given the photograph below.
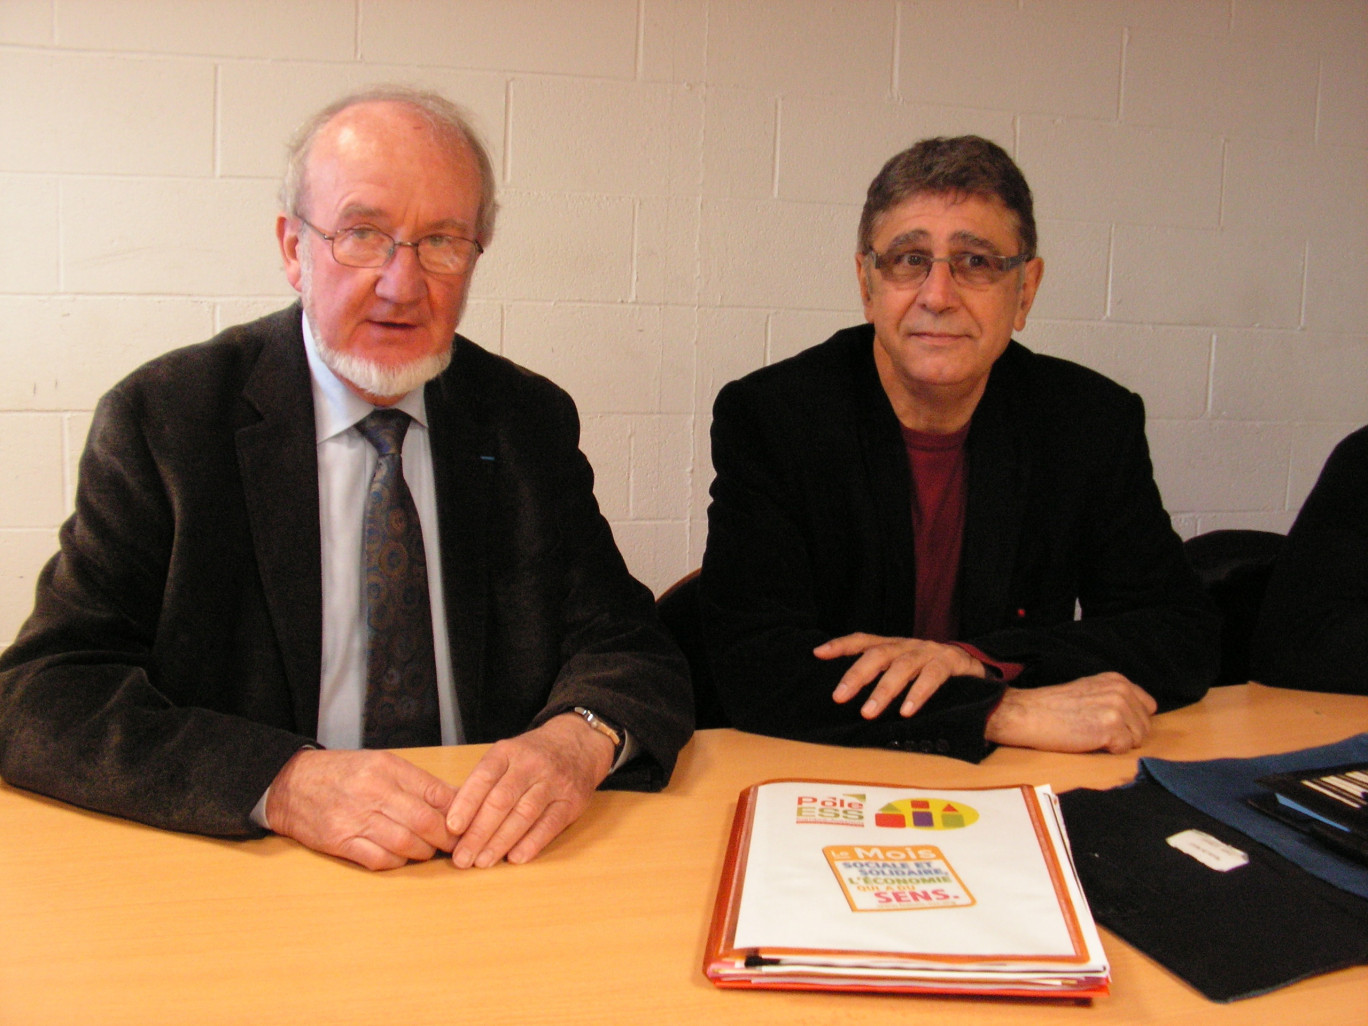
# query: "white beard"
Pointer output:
{"type": "Point", "coordinates": [379, 379]}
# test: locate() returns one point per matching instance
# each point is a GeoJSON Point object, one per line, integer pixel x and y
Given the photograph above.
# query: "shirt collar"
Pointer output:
{"type": "Point", "coordinates": [337, 407]}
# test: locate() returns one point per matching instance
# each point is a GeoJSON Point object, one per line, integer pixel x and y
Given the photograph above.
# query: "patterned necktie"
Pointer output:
{"type": "Point", "coordinates": [401, 689]}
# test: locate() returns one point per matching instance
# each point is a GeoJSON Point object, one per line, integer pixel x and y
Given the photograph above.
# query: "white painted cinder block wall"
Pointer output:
{"type": "Point", "coordinates": [681, 183]}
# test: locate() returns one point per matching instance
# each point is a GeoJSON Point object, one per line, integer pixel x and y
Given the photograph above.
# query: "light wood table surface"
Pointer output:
{"type": "Point", "coordinates": [103, 921]}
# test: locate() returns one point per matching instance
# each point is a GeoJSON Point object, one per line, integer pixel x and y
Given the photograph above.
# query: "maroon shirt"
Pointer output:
{"type": "Point", "coordinates": [939, 497]}
{"type": "Point", "coordinates": [939, 491]}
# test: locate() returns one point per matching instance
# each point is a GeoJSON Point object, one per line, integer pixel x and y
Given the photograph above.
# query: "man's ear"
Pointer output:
{"type": "Point", "coordinates": [1031, 274]}
{"type": "Point", "coordinates": [287, 235]}
{"type": "Point", "coordinates": [862, 276]}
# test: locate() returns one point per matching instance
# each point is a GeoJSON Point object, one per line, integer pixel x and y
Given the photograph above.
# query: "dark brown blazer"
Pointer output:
{"type": "Point", "coordinates": [810, 538]}
{"type": "Point", "coordinates": [171, 664]}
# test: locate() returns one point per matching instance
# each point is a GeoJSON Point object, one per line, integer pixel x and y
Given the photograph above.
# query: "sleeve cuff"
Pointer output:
{"type": "Point", "coordinates": [997, 669]}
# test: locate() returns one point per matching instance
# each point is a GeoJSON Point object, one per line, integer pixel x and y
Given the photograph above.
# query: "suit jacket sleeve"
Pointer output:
{"type": "Point", "coordinates": [89, 713]}
{"type": "Point", "coordinates": [616, 657]}
{"type": "Point", "coordinates": [1313, 629]}
{"type": "Point", "coordinates": [1097, 534]}
{"type": "Point", "coordinates": [546, 615]}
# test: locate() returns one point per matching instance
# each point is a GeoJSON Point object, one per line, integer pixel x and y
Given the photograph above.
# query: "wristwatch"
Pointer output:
{"type": "Point", "coordinates": [603, 727]}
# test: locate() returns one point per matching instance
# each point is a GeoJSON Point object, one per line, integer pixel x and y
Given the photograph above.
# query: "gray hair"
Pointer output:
{"type": "Point", "coordinates": [449, 121]}
{"type": "Point", "coordinates": [966, 165]}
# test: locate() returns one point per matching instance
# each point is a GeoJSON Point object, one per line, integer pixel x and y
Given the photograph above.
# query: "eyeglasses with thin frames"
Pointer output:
{"type": "Point", "coordinates": [368, 246]}
{"type": "Point", "coordinates": [911, 267]}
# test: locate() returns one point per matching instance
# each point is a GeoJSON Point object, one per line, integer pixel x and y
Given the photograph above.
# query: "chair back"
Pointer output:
{"type": "Point", "coordinates": [1234, 567]}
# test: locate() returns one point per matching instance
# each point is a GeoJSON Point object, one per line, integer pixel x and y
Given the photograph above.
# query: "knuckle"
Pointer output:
{"type": "Point", "coordinates": [529, 806]}
{"type": "Point", "coordinates": [527, 810]}
{"type": "Point", "coordinates": [370, 824]}
{"type": "Point", "coordinates": [557, 817]}
{"type": "Point", "coordinates": [1113, 721]}
{"type": "Point", "coordinates": [869, 661]}
{"type": "Point", "coordinates": [364, 855]}
{"type": "Point", "coordinates": [501, 800]}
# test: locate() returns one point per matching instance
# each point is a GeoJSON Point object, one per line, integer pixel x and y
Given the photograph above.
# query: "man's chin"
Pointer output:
{"type": "Point", "coordinates": [377, 380]}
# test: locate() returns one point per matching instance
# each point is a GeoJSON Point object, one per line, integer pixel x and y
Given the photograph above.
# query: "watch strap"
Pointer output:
{"type": "Point", "coordinates": [605, 728]}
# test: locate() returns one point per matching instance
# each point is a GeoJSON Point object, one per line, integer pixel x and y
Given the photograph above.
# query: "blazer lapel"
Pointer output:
{"type": "Point", "coordinates": [278, 459]}
{"type": "Point", "coordinates": [890, 484]}
{"type": "Point", "coordinates": [998, 472]}
{"type": "Point", "coordinates": [464, 462]}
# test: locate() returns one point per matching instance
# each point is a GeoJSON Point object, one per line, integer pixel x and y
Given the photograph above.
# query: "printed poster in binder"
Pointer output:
{"type": "Point", "coordinates": [832, 885]}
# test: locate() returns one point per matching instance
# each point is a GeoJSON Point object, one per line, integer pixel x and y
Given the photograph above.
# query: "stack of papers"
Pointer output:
{"type": "Point", "coordinates": [847, 886]}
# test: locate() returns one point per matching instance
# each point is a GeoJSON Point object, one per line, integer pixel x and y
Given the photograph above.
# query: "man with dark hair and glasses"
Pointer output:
{"type": "Point", "coordinates": [340, 529]}
{"type": "Point", "coordinates": [923, 535]}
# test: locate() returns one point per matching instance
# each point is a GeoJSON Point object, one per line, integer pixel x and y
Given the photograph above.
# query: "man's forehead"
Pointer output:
{"type": "Point", "coordinates": [922, 237]}
{"type": "Point", "coordinates": [390, 147]}
{"type": "Point", "coordinates": [379, 129]}
{"type": "Point", "coordinates": [957, 217]}
{"type": "Point", "coordinates": [371, 116]}
{"type": "Point", "coordinates": [357, 210]}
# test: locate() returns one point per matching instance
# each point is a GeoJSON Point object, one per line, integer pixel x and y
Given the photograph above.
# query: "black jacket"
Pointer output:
{"type": "Point", "coordinates": [1313, 629]}
{"type": "Point", "coordinates": [809, 538]}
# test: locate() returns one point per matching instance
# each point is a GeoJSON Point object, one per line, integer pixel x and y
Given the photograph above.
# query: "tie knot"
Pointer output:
{"type": "Point", "coordinates": [385, 429]}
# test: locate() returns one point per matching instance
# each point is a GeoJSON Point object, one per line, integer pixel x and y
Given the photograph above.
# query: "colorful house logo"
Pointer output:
{"type": "Point", "coordinates": [926, 814]}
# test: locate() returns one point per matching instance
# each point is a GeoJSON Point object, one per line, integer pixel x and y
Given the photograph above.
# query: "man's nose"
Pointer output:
{"type": "Point", "coordinates": [401, 278]}
{"type": "Point", "coordinates": [939, 291]}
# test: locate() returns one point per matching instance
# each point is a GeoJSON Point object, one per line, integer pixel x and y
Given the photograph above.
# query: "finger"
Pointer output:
{"type": "Point", "coordinates": [1130, 730]}
{"type": "Point", "coordinates": [863, 671]}
{"type": "Point", "coordinates": [499, 803]}
{"type": "Point", "coordinates": [926, 684]}
{"type": "Point", "coordinates": [420, 820]}
{"type": "Point", "coordinates": [1133, 711]}
{"type": "Point", "coordinates": [396, 838]}
{"type": "Point", "coordinates": [1141, 724]}
{"type": "Point", "coordinates": [471, 795]}
{"type": "Point", "coordinates": [435, 793]}
{"type": "Point", "coordinates": [556, 817]}
{"type": "Point", "coordinates": [1122, 684]}
{"type": "Point", "coordinates": [1118, 738]}
{"type": "Point", "coordinates": [369, 855]}
{"type": "Point", "coordinates": [418, 801]}
{"type": "Point", "coordinates": [1147, 702]}
{"type": "Point", "coordinates": [847, 645]}
{"type": "Point", "coordinates": [1120, 742]}
{"type": "Point", "coordinates": [521, 819]}
{"type": "Point", "coordinates": [964, 663]}
{"type": "Point", "coordinates": [892, 684]}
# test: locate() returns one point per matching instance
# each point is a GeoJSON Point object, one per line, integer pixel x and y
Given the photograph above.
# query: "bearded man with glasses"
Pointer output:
{"type": "Point", "coordinates": [923, 535]}
{"type": "Point", "coordinates": [339, 529]}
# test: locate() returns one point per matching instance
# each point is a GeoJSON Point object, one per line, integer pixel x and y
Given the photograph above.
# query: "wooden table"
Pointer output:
{"type": "Point", "coordinates": [103, 921]}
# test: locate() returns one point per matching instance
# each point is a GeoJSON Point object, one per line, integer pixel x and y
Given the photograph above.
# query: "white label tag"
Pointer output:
{"type": "Point", "coordinates": [1208, 850]}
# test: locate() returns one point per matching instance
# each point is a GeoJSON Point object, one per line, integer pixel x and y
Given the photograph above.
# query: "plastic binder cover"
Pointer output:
{"type": "Point", "coordinates": [848, 886]}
